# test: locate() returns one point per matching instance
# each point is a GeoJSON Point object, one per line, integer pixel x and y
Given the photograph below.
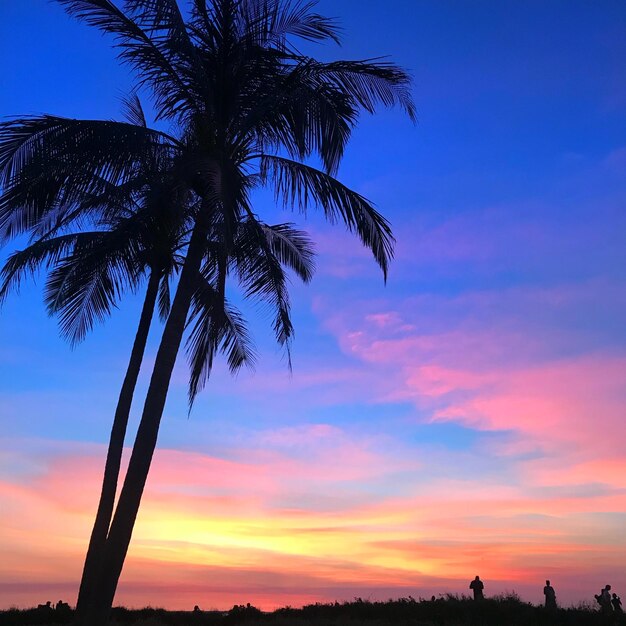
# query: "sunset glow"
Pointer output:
{"type": "Point", "coordinates": [468, 417]}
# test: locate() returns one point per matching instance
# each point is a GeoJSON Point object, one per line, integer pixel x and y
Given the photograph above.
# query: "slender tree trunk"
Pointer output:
{"type": "Point", "coordinates": [130, 497]}
{"type": "Point", "coordinates": [102, 522]}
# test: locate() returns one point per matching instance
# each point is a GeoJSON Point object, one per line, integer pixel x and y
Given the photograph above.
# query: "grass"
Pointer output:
{"type": "Point", "coordinates": [506, 610]}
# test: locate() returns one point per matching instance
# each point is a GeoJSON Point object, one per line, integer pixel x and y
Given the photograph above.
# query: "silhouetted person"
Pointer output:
{"type": "Point", "coordinates": [550, 594]}
{"type": "Point", "coordinates": [477, 587]}
{"type": "Point", "coordinates": [617, 603]}
{"type": "Point", "coordinates": [604, 600]}
{"type": "Point", "coordinates": [196, 609]}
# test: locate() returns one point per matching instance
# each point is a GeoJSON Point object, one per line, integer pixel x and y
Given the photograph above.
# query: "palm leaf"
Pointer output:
{"type": "Point", "coordinates": [52, 163]}
{"type": "Point", "coordinates": [294, 110]}
{"type": "Point", "coordinates": [272, 21]}
{"type": "Point", "coordinates": [262, 277]}
{"type": "Point", "coordinates": [42, 253]}
{"type": "Point", "coordinates": [369, 82]}
{"type": "Point", "coordinates": [85, 287]}
{"type": "Point", "coordinates": [164, 300]}
{"type": "Point", "coordinates": [111, 148]}
{"type": "Point", "coordinates": [133, 110]}
{"type": "Point", "coordinates": [154, 64]}
{"type": "Point", "coordinates": [292, 247]}
{"type": "Point", "coordinates": [215, 326]}
{"type": "Point", "coordinates": [299, 185]}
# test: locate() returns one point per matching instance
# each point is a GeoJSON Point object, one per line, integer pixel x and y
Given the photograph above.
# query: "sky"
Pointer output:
{"type": "Point", "coordinates": [466, 418]}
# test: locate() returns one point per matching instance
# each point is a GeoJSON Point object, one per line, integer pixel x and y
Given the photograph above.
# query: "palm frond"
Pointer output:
{"type": "Point", "coordinates": [297, 18]}
{"type": "Point", "coordinates": [164, 23]}
{"type": "Point", "coordinates": [102, 149]}
{"type": "Point", "coordinates": [157, 15]}
{"type": "Point", "coordinates": [272, 21]}
{"type": "Point", "coordinates": [49, 163]}
{"type": "Point", "coordinates": [133, 110]}
{"type": "Point", "coordinates": [156, 67]}
{"type": "Point", "coordinates": [370, 82]}
{"type": "Point", "coordinates": [299, 185]}
{"type": "Point", "coordinates": [215, 326]}
{"type": "Point", "coordinates": [292, 109]}
{"type": "Point", "coordinates": [86, 285]}
{"type": "Point", "coordinates": [262, 277]}
{"type": "Point", "coordinates": [42, 253]}
{"type": "Point", "coordinates": [164, 299]}
{"type": "Point", "coordinates": [292, 247]}
{"type": "Point", "coordinates": [306, 106]}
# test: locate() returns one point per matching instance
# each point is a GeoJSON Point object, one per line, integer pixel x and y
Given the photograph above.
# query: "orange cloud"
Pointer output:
{"type": "Point", "coordinates": [217, 531]}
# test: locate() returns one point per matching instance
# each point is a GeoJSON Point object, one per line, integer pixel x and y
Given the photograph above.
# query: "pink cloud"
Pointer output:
{"type": "Point", "coordinates": [495, 371]}
{"type": "Point", "coordinates": [435, 381]}
{"type": "Point", "coordinates": [483, 360]}
{"type": "Point", "coordinates": [573, 401]}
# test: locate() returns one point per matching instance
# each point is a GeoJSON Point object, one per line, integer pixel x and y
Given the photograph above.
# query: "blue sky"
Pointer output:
{"type": "Point", "coordinates": [467, 416]}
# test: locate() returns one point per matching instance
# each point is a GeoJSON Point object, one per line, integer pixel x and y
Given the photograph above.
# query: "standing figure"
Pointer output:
{"type": "Point", "coordinates": [477, 587]}
{"type": "Point", "coordinates": [617, 603]}
{"type": "Point", "coordinates": [550, 594]}
{"type": "Point", "coordinates": [604, 600]}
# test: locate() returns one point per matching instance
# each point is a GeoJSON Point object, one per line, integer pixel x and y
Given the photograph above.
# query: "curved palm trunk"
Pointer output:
{"type": "Point", "coordinates": [102, 522]}
{"type": "Point", "coordinates": [123, 522]}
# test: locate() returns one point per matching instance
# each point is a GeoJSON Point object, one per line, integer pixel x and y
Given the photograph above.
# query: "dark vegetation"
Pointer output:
{"type": "Point", "coordinates": [506, 610]}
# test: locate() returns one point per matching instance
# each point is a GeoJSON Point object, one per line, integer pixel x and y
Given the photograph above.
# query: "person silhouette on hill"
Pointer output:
{"type": "Point", "coordinates": [604, 600]}
{"type": "Point", "coordinates": [477, 587]}
{"type": "Point", "coordinates": [550, 594]}
{"type": "Point", "coordinates": [617, 603]}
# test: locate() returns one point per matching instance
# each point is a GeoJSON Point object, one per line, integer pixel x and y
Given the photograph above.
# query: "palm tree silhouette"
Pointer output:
{"type": "Point", "coordinates": [91, 270]}
{"type": "Point", "coordinates": [142, 228]}
{"type": "Point", "coordinates": [248, 108]}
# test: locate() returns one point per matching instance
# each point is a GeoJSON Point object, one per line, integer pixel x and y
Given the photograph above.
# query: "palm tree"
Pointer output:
{"type": "Point", "coordinates": [92, 269]}
{"type": "Point", "coordinates": [249, 108]}
{"type": "Point", "coordinates": [140, 228]}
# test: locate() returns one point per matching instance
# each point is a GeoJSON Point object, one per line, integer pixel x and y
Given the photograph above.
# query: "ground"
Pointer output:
{"type": "Point", "coordinates": [448, 611]}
